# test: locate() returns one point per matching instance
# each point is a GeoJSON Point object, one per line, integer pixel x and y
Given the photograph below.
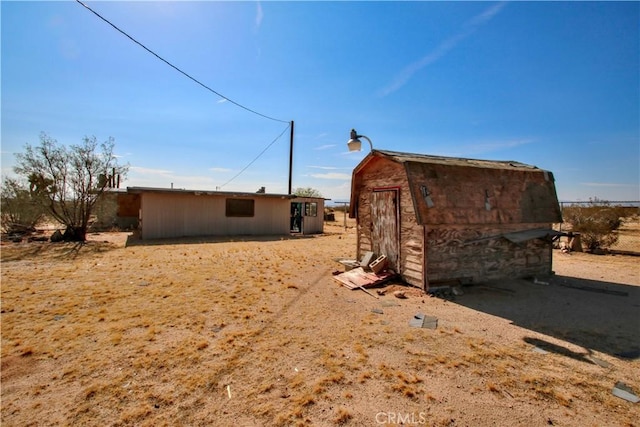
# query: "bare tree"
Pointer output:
{"type": "Point", "coordinates": [70, 179]}
{"type": "Point", "coordinates": [20, 212]}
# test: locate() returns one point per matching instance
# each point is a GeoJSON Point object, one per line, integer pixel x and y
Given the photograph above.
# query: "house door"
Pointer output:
{"type": "Point", "coordinates": [384, 230]}
{"type": "Point", "coordinates": [296, 217]}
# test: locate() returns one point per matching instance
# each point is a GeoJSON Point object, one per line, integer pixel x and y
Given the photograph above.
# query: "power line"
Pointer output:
{"type": "Point", "coordinates": [258, 156]}
{"type": "Point", "coordinates": [178, 69]}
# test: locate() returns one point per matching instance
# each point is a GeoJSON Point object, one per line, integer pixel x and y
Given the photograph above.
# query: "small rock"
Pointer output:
{"type": "Point", "coordinates": [400, 294]}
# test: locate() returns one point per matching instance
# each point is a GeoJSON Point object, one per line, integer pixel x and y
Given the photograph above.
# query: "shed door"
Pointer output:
{"type": "Point", "coordinates": [384, 227]}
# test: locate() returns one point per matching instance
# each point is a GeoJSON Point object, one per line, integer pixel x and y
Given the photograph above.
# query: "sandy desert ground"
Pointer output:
{"type": "Point", "coordinates": [258, 333]}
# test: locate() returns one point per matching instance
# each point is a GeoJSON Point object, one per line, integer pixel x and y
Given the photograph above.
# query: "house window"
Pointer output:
{"type": "Point", "coordinates": [311, 209]}
{"type": "Point", "coordinates": [240, 207]}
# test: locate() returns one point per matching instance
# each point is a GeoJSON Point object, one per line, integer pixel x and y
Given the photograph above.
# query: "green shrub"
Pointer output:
{"type": "Point", "coordinates": [597, 222]}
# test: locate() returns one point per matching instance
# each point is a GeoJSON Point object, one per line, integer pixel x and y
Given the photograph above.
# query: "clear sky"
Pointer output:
{"type": "Point", "coordinates": [553, 84]}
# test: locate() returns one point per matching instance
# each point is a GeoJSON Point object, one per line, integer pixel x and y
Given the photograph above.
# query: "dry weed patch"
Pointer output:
{"type": "Point", "coordinates": [258, 333]}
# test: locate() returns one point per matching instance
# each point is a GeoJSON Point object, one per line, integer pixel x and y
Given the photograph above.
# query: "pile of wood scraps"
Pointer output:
{"type": "Point", "coordinates": [366, 273]}
{"type": "Point", "coordinates": [357, 278]}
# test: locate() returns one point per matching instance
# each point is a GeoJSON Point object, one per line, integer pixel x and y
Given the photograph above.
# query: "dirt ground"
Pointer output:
{"type": "Point", "coordinates": [258, 333]}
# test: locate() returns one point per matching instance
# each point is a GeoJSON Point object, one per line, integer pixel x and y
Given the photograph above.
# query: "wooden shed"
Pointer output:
{"type": "Point", "coordinates": [440, 219]}
{"type": "Point", "coordinates": [171, 213]}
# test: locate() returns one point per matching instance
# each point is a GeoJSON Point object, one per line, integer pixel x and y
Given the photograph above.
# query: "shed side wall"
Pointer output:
{"type": "Point", "coordinates": [452, 257]}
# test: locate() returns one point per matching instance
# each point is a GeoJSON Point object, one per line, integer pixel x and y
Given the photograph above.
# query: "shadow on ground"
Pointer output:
{"type": "Point", "coordinates": [595, 315]}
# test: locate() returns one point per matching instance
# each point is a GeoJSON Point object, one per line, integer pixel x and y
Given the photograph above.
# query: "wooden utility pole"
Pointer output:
{"type": "Point", "coordinates": [290, 157]}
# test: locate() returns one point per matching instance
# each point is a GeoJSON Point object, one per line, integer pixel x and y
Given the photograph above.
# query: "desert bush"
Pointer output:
{"type": "Point", "coordinates": [597, 222]}
{"type": "Point", "coordinates": [70, 179]}
{"type": "Point", "coordinates": [21, 212]}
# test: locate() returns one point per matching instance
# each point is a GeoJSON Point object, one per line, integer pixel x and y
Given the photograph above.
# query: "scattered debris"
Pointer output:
{"type": "Point", "coordinates": [379, 264]}
{"type": "Point", "coordinates": [360, 287]}
{"type": "Point", "coordinates": [457, 291]}
{"type": "Point", "coordinates": [539, 350]}
{"type": "Point", "coordinates": [366, 259]}
{"type": "Point", "coordinates": [422, 321]}
{"type": "Point", "coordinates": [229, 391]}
{"type": "Point", "coordinates": [409, 291]}
{"type": "Point", "coordinates": [350, 264]}
{"type": "Point", "coordinates": [381, 292]}
{"type": "Point", "coordinates": [625, 392]}
{"type": "Point", "coordinates": [377, 311]}
{"type": "Point", "coordinates": [599, 362]}
{"type": "Point", "coordinates": [357, 278]}
{"type": "Point", "coordinates": [400, 294]}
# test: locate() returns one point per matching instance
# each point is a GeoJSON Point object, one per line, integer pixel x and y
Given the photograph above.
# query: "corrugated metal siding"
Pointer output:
{"type": "Point", "coordinates": [166, 215]}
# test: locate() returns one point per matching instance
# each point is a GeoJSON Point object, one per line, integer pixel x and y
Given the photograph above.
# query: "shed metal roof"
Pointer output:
{"type": "Point", "coordinates": [453, 161]}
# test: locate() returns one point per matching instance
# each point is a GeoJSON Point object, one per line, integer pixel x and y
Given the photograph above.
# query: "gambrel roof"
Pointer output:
{"type": "Point", "coordinates": [453, 190]}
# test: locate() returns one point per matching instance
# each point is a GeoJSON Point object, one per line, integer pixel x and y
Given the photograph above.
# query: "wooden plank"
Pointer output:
{"type": "Point", "coordinates": [353, 279]}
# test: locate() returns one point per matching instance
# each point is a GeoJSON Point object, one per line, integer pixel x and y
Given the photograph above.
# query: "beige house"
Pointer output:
{"type": "Point", "coordinates": [441, 219]}
{"type": "Point", "coordinates": [171, 213]}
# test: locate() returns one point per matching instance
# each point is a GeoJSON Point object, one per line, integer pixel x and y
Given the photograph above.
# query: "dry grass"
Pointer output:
{"type": "Point", "coordinates": [257, 333]}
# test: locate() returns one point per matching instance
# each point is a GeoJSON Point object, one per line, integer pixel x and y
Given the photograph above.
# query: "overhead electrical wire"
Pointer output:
{"type": "Point", "coordinates": [178, 69]}
{"type": "Point", "coordinates": [258, 156]}
{"type": "Point", "coordinates": [201, 84]}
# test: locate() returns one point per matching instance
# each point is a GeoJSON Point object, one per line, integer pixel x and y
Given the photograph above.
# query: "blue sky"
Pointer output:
{"type": "Point", "coordinates": [553, 84]}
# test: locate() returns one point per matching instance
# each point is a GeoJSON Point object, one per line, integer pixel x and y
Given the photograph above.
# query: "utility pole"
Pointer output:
{"type": "Point", "coordinates": [290, 157]}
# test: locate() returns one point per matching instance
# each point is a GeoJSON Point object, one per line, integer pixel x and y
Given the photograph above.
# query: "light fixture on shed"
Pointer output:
{"type": "Point", "coordinates": [355, 144]}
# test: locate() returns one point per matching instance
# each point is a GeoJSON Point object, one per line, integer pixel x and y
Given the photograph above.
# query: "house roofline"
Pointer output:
{"type": "Point", "coordinates": [140, 190]}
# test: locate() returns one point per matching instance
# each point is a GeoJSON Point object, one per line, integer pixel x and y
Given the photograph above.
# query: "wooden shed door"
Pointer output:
{"type": "Point", "coordinates": [384, 231]}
